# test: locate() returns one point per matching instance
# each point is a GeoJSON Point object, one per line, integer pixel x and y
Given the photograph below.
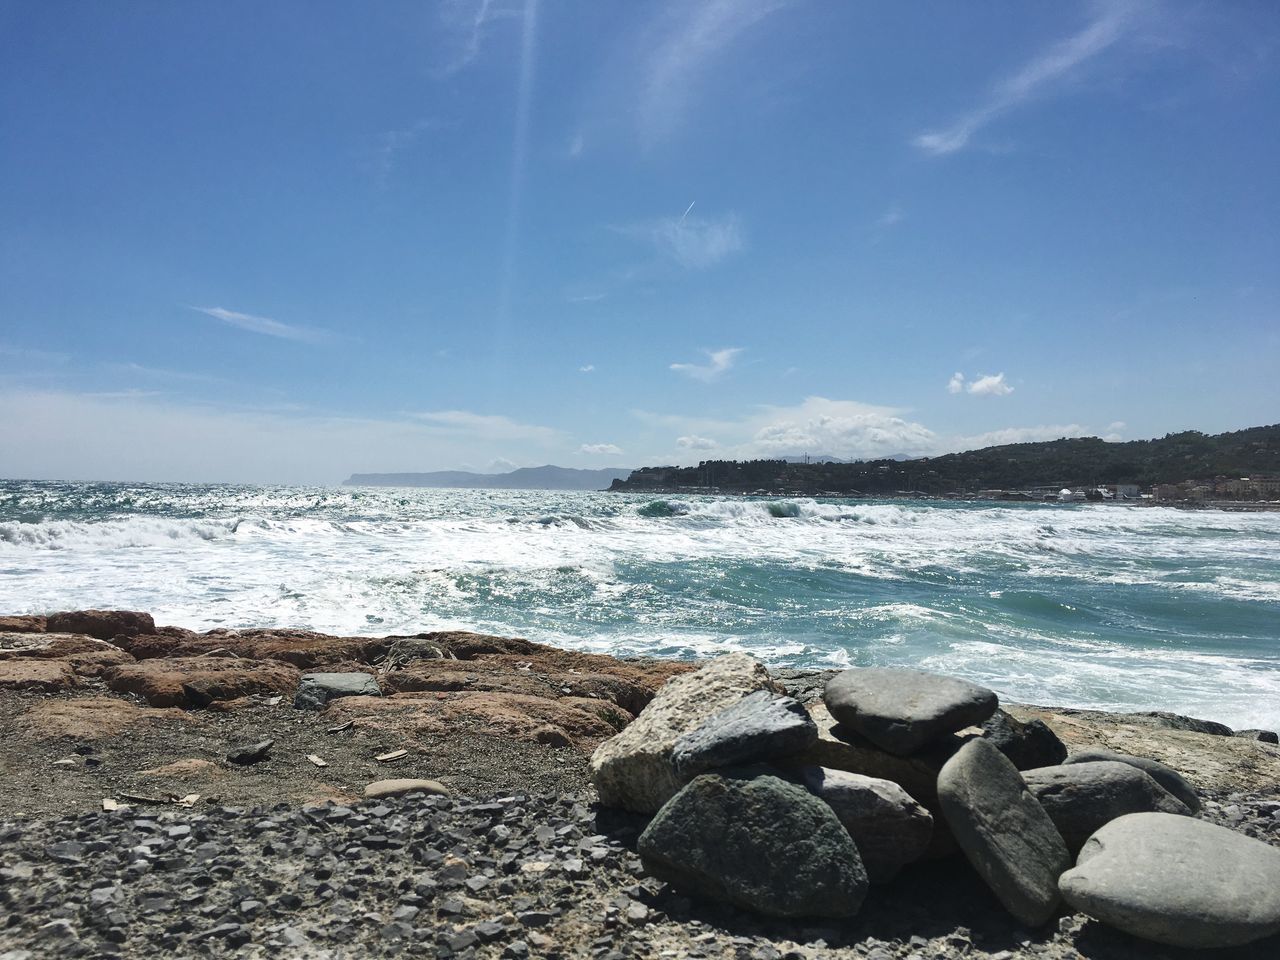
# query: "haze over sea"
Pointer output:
{"type": "Point", "coordinates": [1107, 606]}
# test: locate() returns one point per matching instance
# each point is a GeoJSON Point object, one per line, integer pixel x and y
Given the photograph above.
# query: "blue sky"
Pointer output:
{"type": "Point", "coordinates": [285, 242]}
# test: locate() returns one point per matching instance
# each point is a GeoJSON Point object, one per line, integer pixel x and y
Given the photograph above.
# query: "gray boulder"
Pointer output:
{"type": "Point", "coordinates": [634, 769]}
{"type": "Point", "coordinates": [1262, 736]}
{"type": "Point", "coordinates": [1029, 744]}
{"type": "Point", "coordinates": [889, 828]}
{"type": "Point", "coordinates": [1177, 881]}
{"type": "Point", "coordinates": [317, 689]}
{"type": "Point", "coordinates": [760, 726]}
{"type": "Point", "coordinates": [1167, 777]}
{"type": "Point", "coordinates": [1081, 797]}
{"type": "Point", "coordinates": [1003, 831]}
{"type": "Point", "coordinates": [903, 710]}
{"type": "Point", "coordinates": [1176, 721]}
{"type": "Point", "coordinates": [758, 842]}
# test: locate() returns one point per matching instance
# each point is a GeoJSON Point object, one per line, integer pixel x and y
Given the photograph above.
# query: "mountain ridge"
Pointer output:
{"type": "Point", "coordinates": [546, 477]}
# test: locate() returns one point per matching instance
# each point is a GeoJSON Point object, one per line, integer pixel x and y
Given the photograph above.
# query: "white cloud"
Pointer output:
{"type": "Point", "coordinates": [994, 438]}
{"type": "Point", "coordinates": [842, 428]}
{"type": "Point", "coordinates": [467, 24]}
{"type": "Point", "coordinates": [576, 145]}
{"type": "Point", "coordinates": [501, 465]}
{"type": "Point", "coordinates": [267, 326]}
{"type": "Point", "coordinates": [956, 383]}
{"type": "Point", "coordinates": [587, 368]}
{"type": "Point", "coordinates": [693, 37]}
{"type": "Point", "coordinates": [1116, 426]}
{"type": "Point", "coordinates": [721, 360]}
{"type": "Point", "coordinates": [604, 449]}
{"type": "Point", "coordinates": [1050, 67]}
{"type": "Point", "coordinates": [694, 243]}
{"type": "Point", "coordinates": [696, 443]}
{"type": "Point", "coordinates": [990, 385]}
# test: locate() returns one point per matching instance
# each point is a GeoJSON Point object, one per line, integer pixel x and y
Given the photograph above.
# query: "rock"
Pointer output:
{"type": "Point", "coordinates": [44, 676]}
{"type": "Point", "coordinates": [634, 769]}
{"type": "Point", "coordinates": [247, 753]}
{"type": "Point", "coordinates": [757, 842]}
{"type": "Point", "coordinates": [903, 710]}
{"type": "Point", "coordinates": [22, 624]}
{"type": "Point", "coordinates": [102, 624]}
{"type": "Point", "coordinates": [1167, 777]}
{"type": "Point", "coordinates": [1081, 797]}
{"type": "Point", "coordinates": [1029, 745]}
{"type": "Point", "coordinates": [1174, 721]}
{"type": "Point", "coordinates": [759, 727]}
{"type": "Point", "coordinates": [85, 656]}
{"type": "Point", "coordinates": [1177, 881]}
{"type": "Point", "coordinates": [1262, 736]}
{"type": "Point", "coordinates": [889, 828]}
{"type": "Point", "coordinates": [317, 689]}
{"type": "Point", "coordinates": [1003, 830]}
{"type": "Point", "coordinates": [839, 748]}
{"type": "Point", "coordinates": [396, 788]}
{"type": "Point", "coordinates": [198, 681]}
{"type": "Point", "coordinates": [91, 718]}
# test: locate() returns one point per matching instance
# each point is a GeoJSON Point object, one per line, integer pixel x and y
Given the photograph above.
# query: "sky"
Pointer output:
{"type": "Point", "coordinates": [286, 242]}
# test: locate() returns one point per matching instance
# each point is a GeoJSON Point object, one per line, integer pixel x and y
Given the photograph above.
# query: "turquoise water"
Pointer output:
{"type": "Point", "coordinates": [1106, 606]}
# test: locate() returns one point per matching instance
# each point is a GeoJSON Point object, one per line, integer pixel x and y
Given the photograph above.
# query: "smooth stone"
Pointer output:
{"type": "Point", "coordinates": [1028, 744]}
{"type": "Point", "coordinates": [317, 689]}
{"type": "Point", "coordinates": [839, 748]}
{"type": "Point", "coordinates": [247, 753]}
{"type": "Point", "coordinates": [1081, 797]}
{"type": "Point", "coordinates": [903, 710]}
{"type": "Point", "coordinates": [761, 726]}
{"type": "Point", "coordinates": [1178, 881]}
{"type": "Point", "coordinates": [1003, 830]}
{"type": "Point", "coordinates": [634, 769]}
{"type": "Point", "coordinates": [396, 788]}
{"type": "Point", "coordinates": [1167, 777]}
{"type": "Point", "coordinates": [758, 842]}
{"type": "Point", "coordinates": [1262, 736]}
{"type": "Point", "coordinates": [889, 828]}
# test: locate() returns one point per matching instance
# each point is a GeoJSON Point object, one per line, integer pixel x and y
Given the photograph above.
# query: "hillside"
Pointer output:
{"type": "Point", "coordinates": [1084, 461]}
{"type": "Point", "coordinates": [525, 478]}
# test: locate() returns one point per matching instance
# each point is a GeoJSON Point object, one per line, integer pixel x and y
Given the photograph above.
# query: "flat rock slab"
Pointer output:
{"type": "Point", "coordinates": [317, 689]}
{"type": "Point", "coordinates": [634, 769]}
{"type": "Point", "coordinates": [1166, 776]}
{"type": "Point", "coordinates": [397, 788]}
{"type": "Point", "coordinates": [889, 828]}
{"type": "Point", "coordinates": [1081, 797]}
{"type": "Point", "coordinates": [1003, 830]}
{"type": "Point", "coordinates": [758, 842]}
{"type": "Point", "coordinates": [903, 710]}
{"type": "Point", "coordinates": [1177, 881]}
{"type": "Point", "coordinates": [761, 726]}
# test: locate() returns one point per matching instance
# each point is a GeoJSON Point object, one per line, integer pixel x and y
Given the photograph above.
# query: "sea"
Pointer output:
{"type": "Point", "coordinates": [1083, 605]}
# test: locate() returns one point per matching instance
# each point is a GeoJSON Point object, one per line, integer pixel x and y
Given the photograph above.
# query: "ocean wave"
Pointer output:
{"type": "Point", "coordinates": [133, 532]}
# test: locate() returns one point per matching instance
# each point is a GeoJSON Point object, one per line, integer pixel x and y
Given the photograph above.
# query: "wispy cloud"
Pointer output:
{"type": "Point", "coordinates": [694, 243]}
{"type": "Point", "coordinates": [985, 385]}
{"type": "Point", "coordinates": [267, 326]}
{"type": "Point", "coordinates": [485, 426]}
{"type": "Point", "coordinates": [693, 37]}
{"type": "Point", "coordinates": [995, 438]}
{"type": "Point", "coordinates": [467, 24]}
{"type": "Point", "coordinates": [891, 217]}
{"type": "Point", "coordinates": [601, 449]}
{"type": "Point", "coordinates": [694, 442]}
{"type": "Point", "coordinates": [392, 142]}
{"type": "Point", "coordinates": [721, 361]}
{"type": "Point", "coordinates": [587, 368]}
{"type": "Point", "coordinates": [1049, 68]}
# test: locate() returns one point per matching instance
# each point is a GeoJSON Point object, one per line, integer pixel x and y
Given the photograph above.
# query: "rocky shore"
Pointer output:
{"type": "Point", "coordinates": [127, 829]}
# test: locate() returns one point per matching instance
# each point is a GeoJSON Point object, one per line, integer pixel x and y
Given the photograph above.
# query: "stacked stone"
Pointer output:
{"type": "Point", "coordinates": [792, 810]}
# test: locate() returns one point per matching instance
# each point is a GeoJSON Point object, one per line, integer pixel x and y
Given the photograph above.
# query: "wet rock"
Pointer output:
{"type": "Point", "coordinates": [317, 689]}
{"type": "Point", "coordinates": [759, 727]}
{"type": "Point", "coordinates": [1004, 832]}
{"type": "Point", "coordinates": [1028, 744]}
{"type": "Point", "coordinates": [397, 788]}
{"type": "Point", "coordinates": [247, 753]}
{"type": "Point", "coordinates": [900, 710]}
{"type": "Point", "coordinates": [1081, 797]}
{"type": "Point", "coordinates": [102, 624]}
{"type": "Point", "coordinates": [634, 768]}
{"type": "Point", "coordinates": [889, 828]}
{"type": "Point", "coordinates": [1177, 881]}
{"type": "Point", "coordinates": [758, 842]}
{"type": "Point", "coordinates": [1167, 777]}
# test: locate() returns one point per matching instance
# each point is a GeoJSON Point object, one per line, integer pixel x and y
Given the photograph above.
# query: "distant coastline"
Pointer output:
{"type": "Point", "coordinates": [548, 477]}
